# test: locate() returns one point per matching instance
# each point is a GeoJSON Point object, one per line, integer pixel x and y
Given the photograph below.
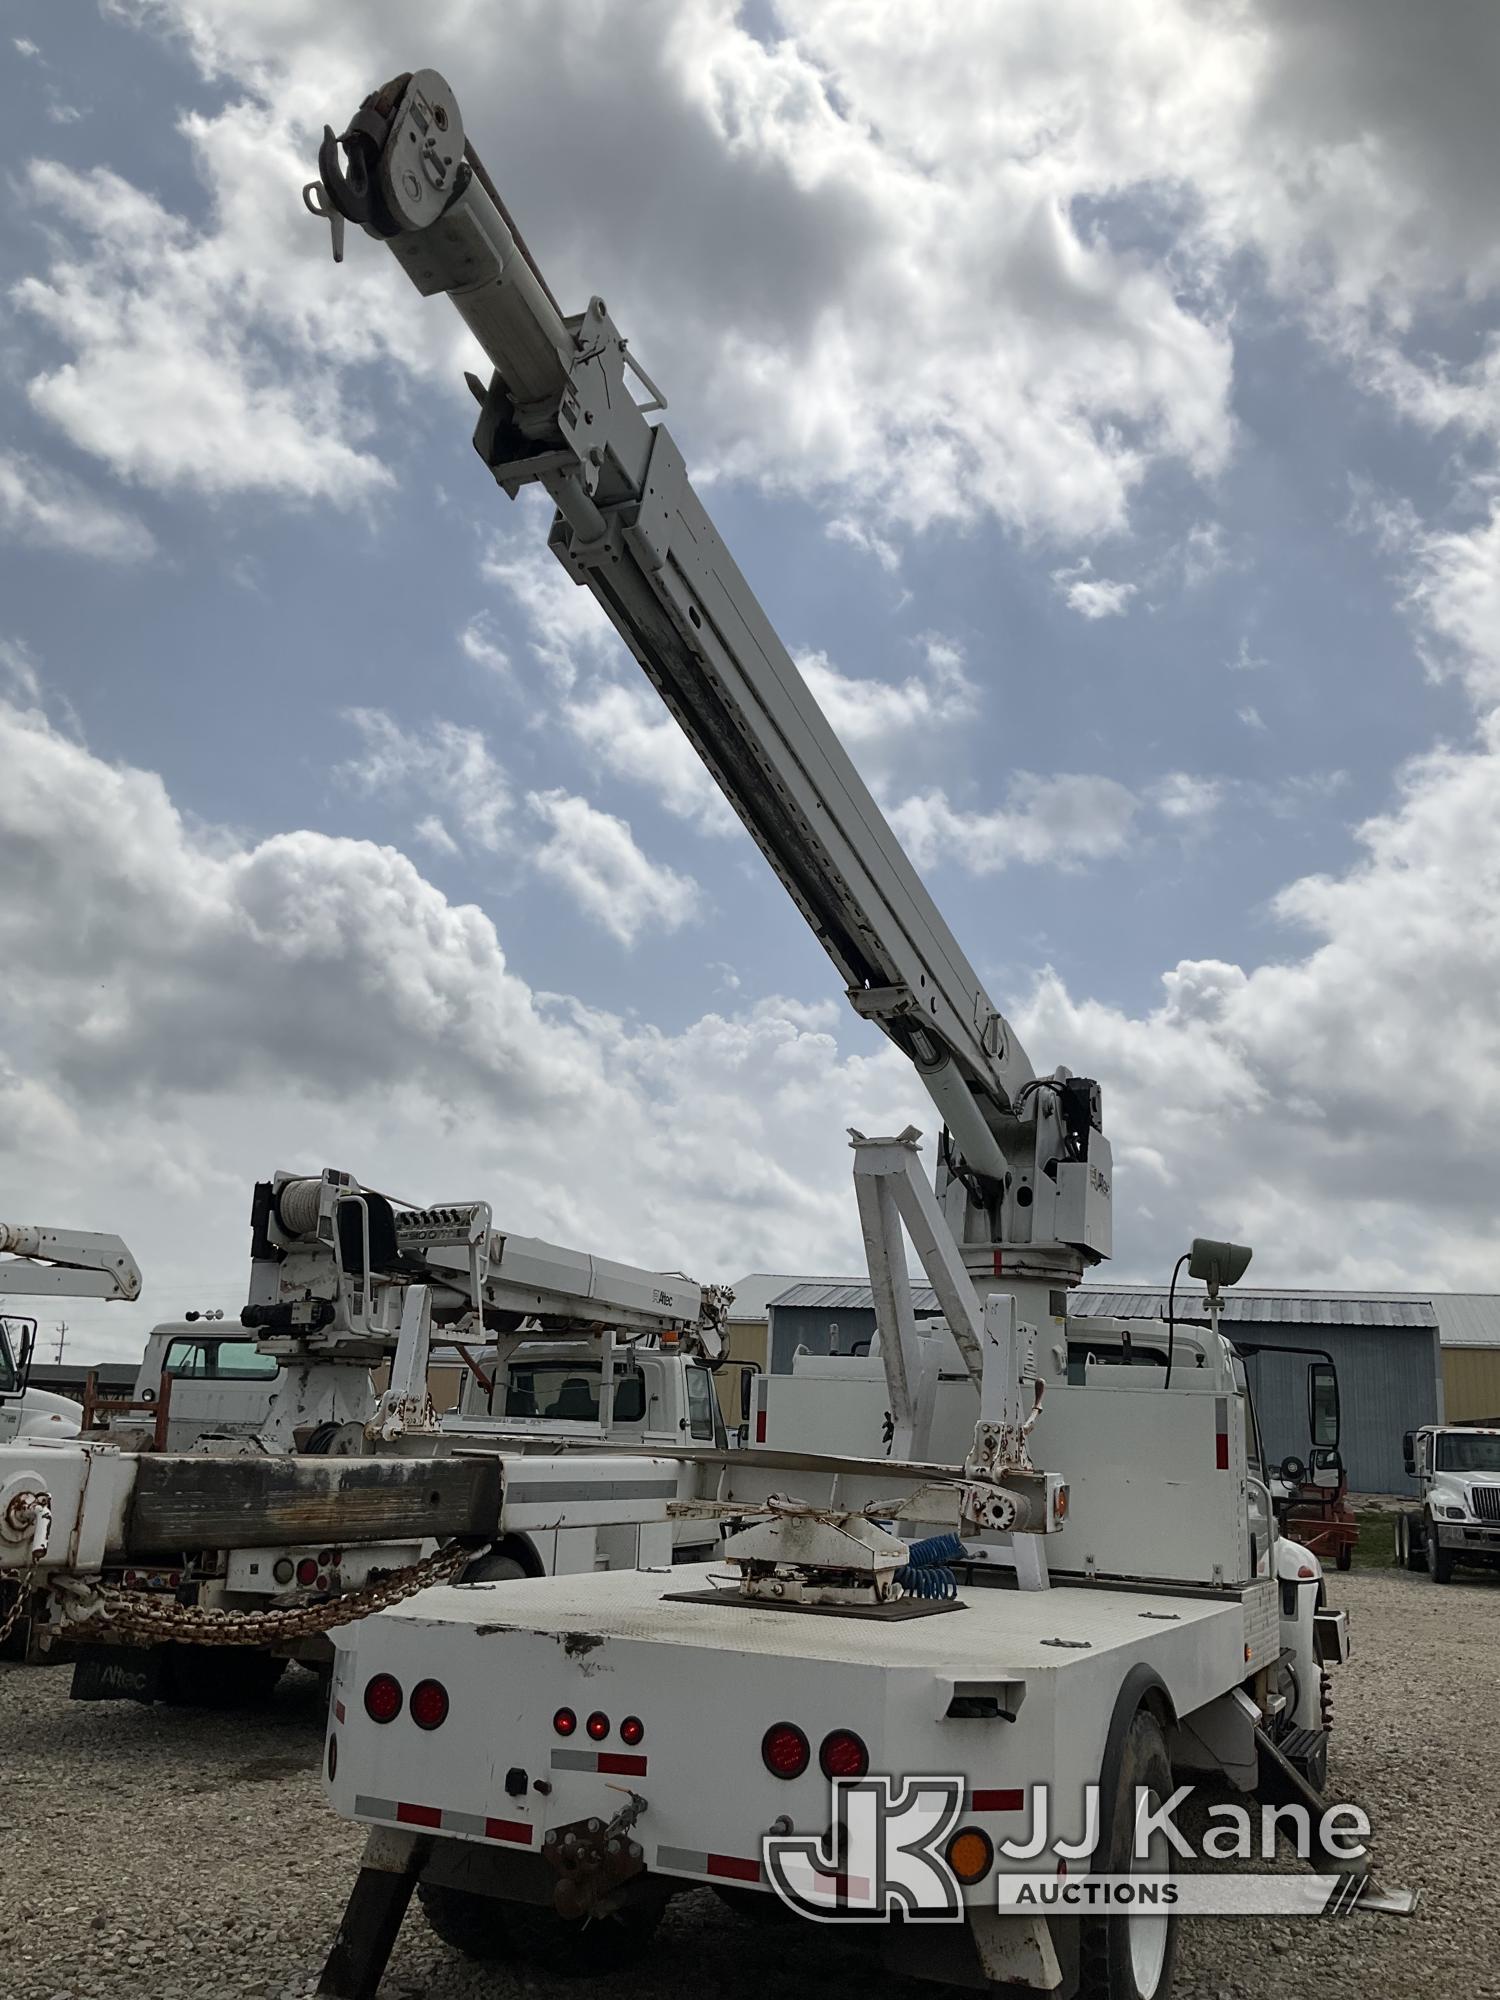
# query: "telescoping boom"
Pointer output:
{"type": "Point", "coordinates": [1024, 1171]}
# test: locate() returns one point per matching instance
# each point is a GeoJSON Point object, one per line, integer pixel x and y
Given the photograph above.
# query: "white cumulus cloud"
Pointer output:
{"type": "Point", "coordinates": [594, 857]}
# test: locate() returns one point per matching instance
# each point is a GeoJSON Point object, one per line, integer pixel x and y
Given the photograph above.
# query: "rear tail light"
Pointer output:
{"type": "Point", "coordinates": [843, 1755]}
{"type": "Point", "coordinates": [784, 1750]}
{"type": "Point", "coordinates": [383, 1698]}
{"type": "Point", "coordinates": [284, 1569]}
{"type": "Point", "coordinates": [970, 1854]}
{"type": "Point", "coordinates": [429, 1704]}
{"type": "Point", "coordinates": [565, 1722]}
{"type": "Point", "coordinates": [598, 1725]}
{"type": "Point", "coordinates": [307, 1570]}
{"type": "Point", "coordinates": [632, 1729]}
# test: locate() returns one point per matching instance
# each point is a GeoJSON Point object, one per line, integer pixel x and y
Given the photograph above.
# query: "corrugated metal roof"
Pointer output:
{"type": "Point", "coordinates": [1244, 1307]}
{"type": "Point", "coordinates": [1241, 1307]}
{"type": "Point", "coordinates": [755, 1293]}
{"type": "Point", "coordinates": [1463, 1319]}
{"type": "Point", "coordinates": [1468, 1319]}
{"type": "Point", "coordinates": [847, 1295]}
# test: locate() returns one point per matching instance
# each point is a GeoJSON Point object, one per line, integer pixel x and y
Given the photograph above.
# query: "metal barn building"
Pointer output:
{"type": "Point", "coordinates": [1386, 1351]}
{"type": "Point", "coordinates": [1391, 1352]}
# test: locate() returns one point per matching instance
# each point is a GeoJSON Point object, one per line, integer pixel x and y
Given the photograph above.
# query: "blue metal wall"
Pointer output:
{"type": "Point", "coordinates": [1388, 1384]}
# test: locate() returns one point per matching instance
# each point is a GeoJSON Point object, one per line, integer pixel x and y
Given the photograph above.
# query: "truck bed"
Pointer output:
{"type": "Point", "coordinates": [995, 1626]}
{"type": "Point", "coordinates": [1011, 1689]}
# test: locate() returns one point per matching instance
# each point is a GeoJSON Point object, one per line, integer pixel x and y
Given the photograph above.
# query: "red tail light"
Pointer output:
{"type": "Point", "coordinates": [598, 1725]}
{"type": "Point", "coordinates": [565, 1722]}
{"type": "Point", "coordinates": [632, 1729]}
{"type": "Point", "coordinates": [429, 1704]}
{"type": "Point", "coordinates": [784, 1750]}
{"type": "Point", "coordinates": [307, 1570]}
{"type": "Point", "coordinates": [843, 1755]}
{"type": "Point", "coordinates": [383, 1698]}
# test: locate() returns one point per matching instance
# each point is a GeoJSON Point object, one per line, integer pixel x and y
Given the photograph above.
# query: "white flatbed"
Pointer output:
{"type": "Point", "coordinates": [1037, 1675]}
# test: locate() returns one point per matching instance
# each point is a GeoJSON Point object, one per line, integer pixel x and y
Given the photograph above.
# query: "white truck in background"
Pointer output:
{"type": "Point", "coordinates": [190, 1566]}
{"type": "Point", "coordinates": [1458, 1521]}
{"type": "Point", "coordinates": [548, 1773]}
{"type": "Point", "coordinates": [37, 1263]}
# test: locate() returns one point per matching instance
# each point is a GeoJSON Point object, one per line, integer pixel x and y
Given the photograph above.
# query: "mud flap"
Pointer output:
{"type": "Point", "coordinates": [118, 1673]}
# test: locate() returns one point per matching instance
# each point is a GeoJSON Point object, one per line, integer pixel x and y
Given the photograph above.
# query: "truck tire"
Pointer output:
{"type": "Point", "coordinates": [1130, 1958]}
{"type": "Point", "coordinates": [578, 1950]}
{"type": "Point", "coordinates": [1439, 1559]}
{"type": "Point", "coordinates": [1413, 1542]}
{"type": "Point", "coordinates": [219, 1677]}
{"type": "Point", "coordinates": [494, 1566]}
{"type": "Point", "coordinates": [754, 1905]}
{"type": "Point", "coordinates": [487, 1927]}
{"type": "Point", "coordinates": [1345, 1556]}
{"type": "Point", "coordinates": [474, 1925]}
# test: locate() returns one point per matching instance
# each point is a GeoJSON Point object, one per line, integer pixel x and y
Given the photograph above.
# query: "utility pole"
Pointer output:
{"type": "Point", "coordinates": [62, 1335]}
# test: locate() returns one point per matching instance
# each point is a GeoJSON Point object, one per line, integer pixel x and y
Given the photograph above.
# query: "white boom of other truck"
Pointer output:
{"type": "Point", "coordinates": [634, 1739]}
{"type": "Point", "coordinates": [192, 1567]}
{"type": "Point", "coordinates": [40, 1263]}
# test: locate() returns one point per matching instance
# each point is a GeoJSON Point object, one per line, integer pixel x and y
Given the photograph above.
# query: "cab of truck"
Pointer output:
{"type": "Point", "coordinates": [221, 1384]}
{"type": "Point", "coordinates": [1457, 1467]}
{"type": "Point", "coordinates": [656, 1395]}
{"type": "Point", "coordinates": [26, 1412]}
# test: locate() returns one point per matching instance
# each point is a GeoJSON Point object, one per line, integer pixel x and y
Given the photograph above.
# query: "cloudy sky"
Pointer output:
{"type": "Point", "coordinates": [1102, 395]}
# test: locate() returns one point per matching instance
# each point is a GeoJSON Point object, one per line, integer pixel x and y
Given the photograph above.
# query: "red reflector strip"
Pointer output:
{"type": "Point", "coordinates": [508, 1829]}
{"type": "Point", "coordinates": [760, 1426]}
{"type": "Point", "coordinates": [997, 1801]}
{"type": "Point", "coordinates": [338, 1712]}
{"type": "Point", "coordinates": [1221, 1454]}
{"type": "Point", "coordinates": [419, 1815]}
{"type": "Point", "coordinates": [999, 1265]}
{"type": "Point", "coordinates": [731, 1868]}
{"type": "Point", "coordinates": [1221, 1433]}
{"type": "Point", "coordinates": [841, 1887]}
{"type": "Point", "coordinates": [621, 1765]}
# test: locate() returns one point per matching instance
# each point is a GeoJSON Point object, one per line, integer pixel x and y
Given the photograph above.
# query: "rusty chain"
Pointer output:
{"type": "Point", "coordinates": [123, 1611]}
{"type": "Point", "coordinates": [23, 1584]}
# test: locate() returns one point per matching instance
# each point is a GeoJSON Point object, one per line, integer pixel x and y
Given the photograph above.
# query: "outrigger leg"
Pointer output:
{"type": "Point", "coordinates": [372, 1917]}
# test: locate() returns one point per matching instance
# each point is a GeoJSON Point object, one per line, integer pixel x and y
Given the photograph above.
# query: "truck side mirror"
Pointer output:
{"type": "Point", "coordinates": [747, 1390]}
{"type": "Point", "coordinates": [1323, 1405]}
{"type": "Point", "coordinates": [1409, 1454]}
{"type": "Point", "coordinates": [23, 1358]}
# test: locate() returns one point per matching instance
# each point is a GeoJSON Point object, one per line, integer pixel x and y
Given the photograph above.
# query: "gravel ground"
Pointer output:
{"type": "Point", "coordinates": [173, 1854]}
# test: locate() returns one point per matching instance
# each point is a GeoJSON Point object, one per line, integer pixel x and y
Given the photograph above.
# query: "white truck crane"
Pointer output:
{"type": "Point", "coordinates": [550, 1771]}
{"type": "Point", "coordinates": [37, 1263]}
{"type": "Point", "coordinates": [40, 1263]}
{"type": "Point", "coordinates": [193, 1575]}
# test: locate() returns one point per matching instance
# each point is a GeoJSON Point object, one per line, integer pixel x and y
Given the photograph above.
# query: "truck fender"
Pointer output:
{"type": "Point", "coordinates": [493, 1564]}
{"type": "Point", "coordinates": [1299, 1576]}
{"type": "Point", "coordinates": [1141, 1688]}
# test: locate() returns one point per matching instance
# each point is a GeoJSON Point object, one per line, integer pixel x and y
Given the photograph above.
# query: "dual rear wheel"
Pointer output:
{"type": "Point", "coordinates": [483, 1927]}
